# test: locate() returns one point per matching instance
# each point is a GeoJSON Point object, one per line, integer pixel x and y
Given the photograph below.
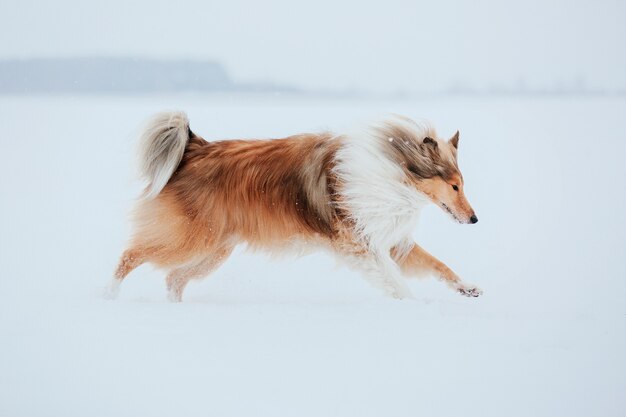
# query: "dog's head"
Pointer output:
{"type": "Point", "coordinates": [445, 189]}
{"type": "Point", "coordinates": [430, 165]}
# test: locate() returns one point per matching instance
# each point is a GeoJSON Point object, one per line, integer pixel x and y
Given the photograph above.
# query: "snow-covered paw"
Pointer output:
{"type": "Point", "coordinates": [111, 291]}
{"type": "Point", "coordinates": [174, 297]}
{"type": "Point", "coordinates": [469, 290]}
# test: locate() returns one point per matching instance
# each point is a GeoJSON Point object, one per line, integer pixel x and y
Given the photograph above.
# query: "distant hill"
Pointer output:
{"type": "Point", "coordinates": [118, 75]}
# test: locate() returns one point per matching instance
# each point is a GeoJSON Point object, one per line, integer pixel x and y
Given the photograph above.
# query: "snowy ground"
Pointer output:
{"type": "Point", "coordinates": [307, 337]}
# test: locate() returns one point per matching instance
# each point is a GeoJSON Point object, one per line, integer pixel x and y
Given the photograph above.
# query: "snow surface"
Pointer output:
{"type": "Point", "coordinates": [306, 337]}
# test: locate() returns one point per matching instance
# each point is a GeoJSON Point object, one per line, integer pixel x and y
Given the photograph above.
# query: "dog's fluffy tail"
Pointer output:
{"type": "Point", "coordinates": [161, 148]}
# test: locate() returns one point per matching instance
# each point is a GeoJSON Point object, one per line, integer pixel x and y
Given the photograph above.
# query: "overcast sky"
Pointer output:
{"type": "Point", "coordinates": [324, 44]}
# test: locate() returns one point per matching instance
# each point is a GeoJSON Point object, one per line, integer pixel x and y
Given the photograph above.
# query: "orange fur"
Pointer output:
{"type": "Point", "coordinates": [261, 192]}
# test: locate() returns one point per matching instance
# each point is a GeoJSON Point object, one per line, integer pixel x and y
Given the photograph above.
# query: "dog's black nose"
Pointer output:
{"type": "Point", "coordinates": [473, 219]}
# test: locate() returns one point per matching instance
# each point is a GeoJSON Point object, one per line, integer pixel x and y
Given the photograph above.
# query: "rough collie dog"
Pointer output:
{"type": "Point", "coordinates": [356, 195]}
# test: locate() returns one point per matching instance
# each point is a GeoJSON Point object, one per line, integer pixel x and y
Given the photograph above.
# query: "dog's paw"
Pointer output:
{"type": "Point", "coordinates": [111, 291]}
{"type": "Point", "coordinates": [469, 290]}
{"type": "Point", "coordinates": [174, 297]}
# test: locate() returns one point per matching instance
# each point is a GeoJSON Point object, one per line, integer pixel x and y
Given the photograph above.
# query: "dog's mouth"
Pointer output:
{"type": "Point", "coordinates": [446, 208]}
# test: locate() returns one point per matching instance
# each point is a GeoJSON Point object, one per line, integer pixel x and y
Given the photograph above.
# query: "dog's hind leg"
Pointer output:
{"type": "Point", "coordinates": [419, 262]}
{"type": "Point", "coordinates": [131, 259]}
{"type": "Point", "coordinates": [178, 278]}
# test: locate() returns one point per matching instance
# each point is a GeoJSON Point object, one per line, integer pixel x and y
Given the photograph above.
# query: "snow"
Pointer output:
{"type": "Point", "coordinates": [307, 337]}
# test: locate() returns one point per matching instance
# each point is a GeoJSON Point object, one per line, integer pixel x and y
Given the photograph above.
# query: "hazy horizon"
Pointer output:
{"type": "Point", "coordinates": [397, 47]}
{"type": "Point", "coordinates": [133, 75]}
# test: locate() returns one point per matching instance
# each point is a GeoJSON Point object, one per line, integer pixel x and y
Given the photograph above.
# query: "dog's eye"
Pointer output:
{"type": "Point", "coordinates": [455, 187]}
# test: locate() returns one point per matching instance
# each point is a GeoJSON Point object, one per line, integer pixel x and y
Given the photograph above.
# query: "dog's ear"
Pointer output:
{"type": "Point", "coordinates": [454, 140]}
{"type": "Point", "coordinates": [431, 148]}
{"type": "Point", "coordinates": [430, 142]}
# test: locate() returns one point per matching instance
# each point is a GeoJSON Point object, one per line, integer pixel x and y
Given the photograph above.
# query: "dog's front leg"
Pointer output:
{"type": "Point", "coordinates": [382, 272]}
{"type": "Point", "coordinates": [419, 262]}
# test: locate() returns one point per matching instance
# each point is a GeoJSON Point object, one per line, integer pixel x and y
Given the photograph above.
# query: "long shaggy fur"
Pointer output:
{"type": "Point", "coordinates": [383, 206]}
{"type": "Point", "coordinates": [357, 195]}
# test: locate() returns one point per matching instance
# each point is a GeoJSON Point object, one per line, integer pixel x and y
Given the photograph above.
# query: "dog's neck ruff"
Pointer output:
{"type": "Point", "coordinates": [375, 195]}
